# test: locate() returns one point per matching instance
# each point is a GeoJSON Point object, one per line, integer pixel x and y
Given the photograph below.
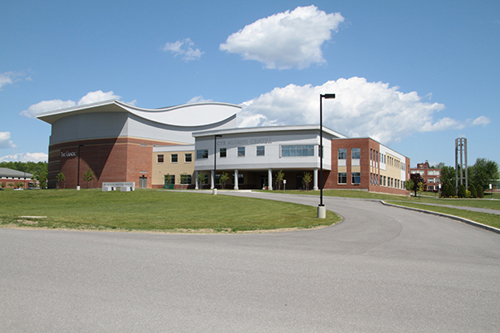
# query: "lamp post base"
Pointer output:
{"type": "Point", "coordinates": [214, 191]}
{"type": "Point", "coordinates": [321, 211]}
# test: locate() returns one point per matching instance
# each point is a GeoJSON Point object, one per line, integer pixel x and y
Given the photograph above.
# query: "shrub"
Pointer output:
{"type": "Point", "coordinates": [479, 190]}
{"type": "Point", "coordinates": [462, 192]}
{"type": "Point", "coordinates": [473, 192]}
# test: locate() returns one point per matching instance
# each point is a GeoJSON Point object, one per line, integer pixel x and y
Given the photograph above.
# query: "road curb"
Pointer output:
{"type": "Point", "coordinates": [453, 217]}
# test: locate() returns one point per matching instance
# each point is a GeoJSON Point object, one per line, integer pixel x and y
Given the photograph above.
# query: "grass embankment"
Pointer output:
{"type": "Point", "coordinates": [421, 202]}
{"type": "Point", "coordinates": [148, 210]}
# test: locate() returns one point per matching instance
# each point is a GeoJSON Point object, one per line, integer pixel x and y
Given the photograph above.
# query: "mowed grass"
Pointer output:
{"type": "Point", "coordinates": [150, 210]}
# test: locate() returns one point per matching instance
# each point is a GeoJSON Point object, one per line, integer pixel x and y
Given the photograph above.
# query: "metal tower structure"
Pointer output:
{"type": "Point", "coordinates": [461, 173]}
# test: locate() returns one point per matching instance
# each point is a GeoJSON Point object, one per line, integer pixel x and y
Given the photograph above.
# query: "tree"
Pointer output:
{"type": "Point", "coordinates": [473, 192]}
{"type": "Point", "coordinates": [479, 191]}
{"type": "Point", "coordinates": [279, 178]}
{"type": "Point", "coordinates": [307, 179]}
{"type": "Point", "coordinates": [88, 176]}
{"type": "Point", "coordinates": [461, 191]}
{"type": "Point", "coordinates": [418, 183]}
{"type": "Point", "coordinates": [61, 178]}
{"type": "Point", "coordinates": [409, 185]}
{"type": "Point", "coordinates": [2, 185]}
{"type": "Point", "coordinates": [202, 179]}
{"type": "Point", "coordinates": [483, 172]}
{"type": "Point", "coordinates": [223, 179]}
{"type": "Point", "coordinates": [42, 179]}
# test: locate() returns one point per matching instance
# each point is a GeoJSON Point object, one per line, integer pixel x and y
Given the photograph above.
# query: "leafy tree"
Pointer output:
{"type": "Point", "coordinates": [88, 176]}
{"type": "Point", "coordinates": [2, 185]}
{"type": "Point", "coordinates": [483, 172]}
{"type": "Point", "coordinates": [448, 175]}
{"type": "Point", "coordinates": [409, 185]}
{"type": "Point", "coordinates": [223, 179]}
{"type": "Point", "coordinates": [479, 191]}
{"type": "Point", "coordinates": [279, 178]}
{"type": "Point", "coordinates": [202, 179]}
{"type": "Point", "coordinates": [42, 179]}
{"type": "Point", "coordinates": [61, 178]}
{"type": "Point", "coordinates": [473, 192]}
{"type": "Point", "coordinates": [19, 185]}
{"type": "Point", "coordinates": [307, 179]}
{"type": "Point", "coordinates": [418, 183]}
{"type": "Point", "coordinates": [461, 191]}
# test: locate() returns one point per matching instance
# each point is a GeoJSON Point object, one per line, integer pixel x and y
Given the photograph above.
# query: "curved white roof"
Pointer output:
{"type": "Point", "coordinates": [187, 115]}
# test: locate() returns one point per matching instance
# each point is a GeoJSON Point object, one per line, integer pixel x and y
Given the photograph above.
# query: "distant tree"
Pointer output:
{"type": "Point", "coordinates": [61, 178]}
{"type": "Point", "coordinates": [440, 165]}
{"type": "Point", "coordinates": [19, 185]}
{"type": "Point", "coordinates": [279, 178]}
{"type": "Point", "coordinates": [418, 183]}
{"type": "Point", "coordinates": [473, 192]}
{"type": "Point", "coordinates": [448, 175]}
{"type": "Point", "coordinates": [307, 179]}
{"type": "Point", "coordinates": [2, 185]}
{"type": "Point", "coordinates": [223, 179]}
{"type": "Point", "coordinates": [479, 191]}
{"type": "Point", "coordinates": [42, 179]}
{"type": "Point", "coordinates": [11, 184]}
{"type": "Point", "coordinates": [202, 179]}
{"type": "Point", "coordinates": [483, 172]}
{"type": "Point", "coordinates": [461, 191]}
{"type": "Point", "coordinates": [88, 176]}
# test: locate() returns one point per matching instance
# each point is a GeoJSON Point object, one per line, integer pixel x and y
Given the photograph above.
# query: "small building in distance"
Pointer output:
{"type": "Point", "coordinates": [15, 179]}
{"type": "Point", "coordinates": [431, 176]}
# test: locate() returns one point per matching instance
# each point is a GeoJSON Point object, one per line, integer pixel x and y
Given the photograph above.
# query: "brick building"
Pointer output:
{"type": "Point", "coordinates": [15, 179]}
{"type": "Point", "coordinates": [430, 175]}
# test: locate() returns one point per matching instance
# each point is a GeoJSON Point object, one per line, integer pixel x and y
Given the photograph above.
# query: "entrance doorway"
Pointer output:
{"type": "Point", "coordinates": [143, 182]}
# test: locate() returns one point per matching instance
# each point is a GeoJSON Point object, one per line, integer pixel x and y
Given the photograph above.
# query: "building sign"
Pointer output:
{"type": "Point", "coordinates": [244, 142]}
{"type": "Point", "coordinates": [68, 154]}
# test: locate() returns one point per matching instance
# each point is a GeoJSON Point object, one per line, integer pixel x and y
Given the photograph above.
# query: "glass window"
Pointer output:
{"type": "Point", "coordinates": [188, 158]}
{"type": "Point", "coordinates": [223, 152]}
{"type": "Point", "coordinates": [185, 179]}
{"type": "Point", "coordinates": [160, 158]}
{"type": "Point", "coordinates": [356, 178]}
{"type": "Point", "coordinates": [261, 150]}
{"type": "Point", "coordinates": [169, 179]}
{"type": "Point", "coordinates": [297, 150]}
{"type": "Point", "coordinates": [342, 178]}
{"type": "Point", "coordinates": [241, 151]}
{"type": "Point", "coordinates": [202, 153]}
{"type": "Point", "coordinates": [174, 158]}
{"type": "Point", "coordinates": [342, 154]}
{"type": "Point", "coordinates": [356, 153]}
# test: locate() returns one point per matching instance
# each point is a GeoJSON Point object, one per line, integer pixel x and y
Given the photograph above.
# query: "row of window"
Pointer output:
{"type": "Point", "coordinates": [374, 180]}
{"type": "Point", "coordinates": [174, 158]}
{"type": "Point", "coordinates": [355, 153]}
{"type": "Point", "coordinates": [20, 178]}
{"type": "Point", "coordinates": [355, 178]}
{"type": "Point", "coordinates": [203, 178]}
{"type": "Point", "coordinates": [286, 151]}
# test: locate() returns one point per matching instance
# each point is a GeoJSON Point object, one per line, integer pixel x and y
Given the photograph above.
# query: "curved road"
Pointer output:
{"type": "Point", "coordinates": [382, 269]}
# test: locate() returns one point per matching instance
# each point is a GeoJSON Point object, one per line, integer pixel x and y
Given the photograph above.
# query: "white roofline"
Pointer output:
{"type": "Point", "coordinates": [261, 129]}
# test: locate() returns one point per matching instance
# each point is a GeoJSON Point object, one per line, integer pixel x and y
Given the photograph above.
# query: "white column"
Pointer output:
{"type": "Point", "coordinates": [270, 179]}
{"type": "Point", "coordinates": [196, 180]}
{"type": "Point", "coordinates": [213, 180]}
{"type": "Point", "coordinates": [315, 182]}
{"type": "Point", "coordinates": [236, 179]}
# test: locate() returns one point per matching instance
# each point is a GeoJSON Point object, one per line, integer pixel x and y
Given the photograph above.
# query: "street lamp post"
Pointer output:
{"type": "Point", "coordinates": [78, 175]}
{"type": "Point", "coordinates": [321, 206]}
{"type": "Point", "coordinates": [214, 190]}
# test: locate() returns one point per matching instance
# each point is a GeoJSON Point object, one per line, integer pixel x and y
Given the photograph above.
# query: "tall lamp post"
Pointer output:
{"type": "Point", "coordinates": [321, 206]}
{"type": "Point", "coordinates": [214, 190]}
{"type": "Point", "coordinates": [78, 175]}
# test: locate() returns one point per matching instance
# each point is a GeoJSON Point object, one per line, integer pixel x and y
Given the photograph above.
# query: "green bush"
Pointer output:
{"type": "Point", "coordinates": [473, 192]}
{"type": "Point", "coordinates": [479, 190]}
{"type": "Point", "coordinates": [462, 192]}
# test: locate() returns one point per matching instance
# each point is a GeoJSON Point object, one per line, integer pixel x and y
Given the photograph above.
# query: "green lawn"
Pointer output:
{"type": "Point", "coordinates": [152, 211]}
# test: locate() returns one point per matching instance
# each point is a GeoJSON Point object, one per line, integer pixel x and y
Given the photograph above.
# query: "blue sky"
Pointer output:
{"type": "Point", "coordinates": [414, 75]}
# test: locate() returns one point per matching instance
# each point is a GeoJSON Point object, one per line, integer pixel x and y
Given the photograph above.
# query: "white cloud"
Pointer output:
{"type": "Point", "coordinates": [285, 40]}
{"type": "Point", "coordinates": [183, 48]}
{"type": "Point", "coordinates": [5, 141]}
{"type": "Point", "coordinates": [198, 99]}
{"type": "Point", "coordinates": [25, 157]}
{"type": "Point", "coordinates": [56, 104]}
{"type": "Point", "coordinates": [360, 109]}
{"type": "Point", "coordinates": [11, 77]}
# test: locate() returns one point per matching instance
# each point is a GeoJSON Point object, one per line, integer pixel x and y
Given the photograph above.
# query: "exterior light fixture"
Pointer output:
{"type": "Point", "coordinates": [321, 206]}
{"type": "Point", "coordinates": [214, 190]}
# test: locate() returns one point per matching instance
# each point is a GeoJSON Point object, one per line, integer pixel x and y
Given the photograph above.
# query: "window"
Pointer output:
{"type": "Point", "coordinates": [169, 179]}
{"type": "Point", "coordinates": [185, 179]}
{"type": "Point", "coordinates": [223, 152]}
{"type": "Point", "coordinates": [160, 158]}
{"type": "Point", "coordinates": [261, 150]}
{"type": "Point", "coordinates": [356, 153]}
{"type": "Point", "coordinates": [342, 178]}
{"type": "Point", "coordinates": [188, 158]}
{"type": "Point", "coordinates": [342, 154]}
{"type": "Point", "coordinates": [356, 178]}
{"type": "Point", "coordinates": [297, 150]}
{"type": "Point", "coordinates": [173, 158]}
{"type": "Point", "coordinates": [241, 151]}
{"type": "Point", "coordinates": [202, 153]}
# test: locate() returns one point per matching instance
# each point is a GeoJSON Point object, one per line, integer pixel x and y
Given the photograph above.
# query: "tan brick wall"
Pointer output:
{"type": "Point", "coordinates": [168, 167]}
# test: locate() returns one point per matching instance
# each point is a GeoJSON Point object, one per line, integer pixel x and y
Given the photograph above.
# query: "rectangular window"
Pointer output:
{"type": "Point", "coordinates": [173, 158]}
{"type": "Point", "coordinates": [342, 154]}
{"type": "Point", "coordinates": [241, 151]}
{"type": "Point", "coordinates": [169, 179]}
{"type": "Point", "coordinates": [160, 158]}
{"type": "Point", "coordinates": [261, 150]}
{"type": "Point", "coordinates": [342, 178]}
{"type": "Point", "coordinates": [188, 158]}
{"type": "Point", "coordinates": [201, 154]}
{"type": "Point", "coordinates": [186, 179]}
{"type": "Point", "coordinates": [297, 150]}
{"type": "Point", "coordinates": [356, 153]}
{"type": "Point", "coordinates": [223, 152]}
{"type": "Point", "coordinates": [356, 178]}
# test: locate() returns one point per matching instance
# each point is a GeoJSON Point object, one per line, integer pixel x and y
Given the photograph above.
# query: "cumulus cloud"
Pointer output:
{"type": "Point", "coordinates": [184, 48]}
{"type": "Point", "coordinates": [25, 157]}
{"type": "Point", "coordinates": [11, 77]}
{"type": "Point", "coordinates": [360, 109]}
{"type": "Point", "coordinates": [57, 104]}
{"type": "Point", "coordinates": [285, 40]}
{"type": "Point", "coordinates": [5, 141]}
